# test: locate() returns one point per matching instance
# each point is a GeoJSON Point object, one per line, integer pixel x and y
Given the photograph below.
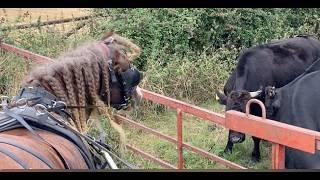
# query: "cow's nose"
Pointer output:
{"type": "Point", "coordinates": [237, 137]}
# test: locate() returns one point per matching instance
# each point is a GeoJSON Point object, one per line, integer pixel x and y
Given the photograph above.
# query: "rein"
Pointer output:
{"type": "Point", "coordinates": [124, 107]}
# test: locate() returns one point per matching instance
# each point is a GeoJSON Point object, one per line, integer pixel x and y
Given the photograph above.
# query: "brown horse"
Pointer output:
{"type": "Point", "coordinates": [41, 127]}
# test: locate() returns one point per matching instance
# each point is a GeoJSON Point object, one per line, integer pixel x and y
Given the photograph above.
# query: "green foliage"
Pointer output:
{"type": "Point", "coordinates": [188, 53]}
{"type": "Point", "coordinates": [12, 69]}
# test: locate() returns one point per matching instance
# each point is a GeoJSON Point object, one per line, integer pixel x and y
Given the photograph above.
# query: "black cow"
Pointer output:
{"type": "Point", "coordinates": [273, 64]}
{"type": "Point", "coordinates": [297, 104]}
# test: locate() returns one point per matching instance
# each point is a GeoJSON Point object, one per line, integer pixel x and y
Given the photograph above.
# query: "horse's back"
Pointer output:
{"type": "Point", "coordinates": [20, 149]}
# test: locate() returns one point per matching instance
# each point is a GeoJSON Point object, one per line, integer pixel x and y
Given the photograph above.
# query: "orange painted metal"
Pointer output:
{"type": "Point", "coordinates": [151, 157]}
{"type": "Point", "coordinates": [185, 107]}
{"type": "Point", "coordinates": [318, 142]}
{"type": "Point", "coordinates": [276, 132]}
{"type": "Point", "coordinates": [278, 156]}
{"type": "Point", "coordinates": [145, 128]}
{"type": "Point", "coordinates": [185, 145]}
{"type": "Point", "coordinates": [213, 157]}
{"type": "Point", "coordinates": [24, 53]}
{"type": "Point", "coordinates": [179, 139]}
{"type": "Point", "coordinates": [256, 101]}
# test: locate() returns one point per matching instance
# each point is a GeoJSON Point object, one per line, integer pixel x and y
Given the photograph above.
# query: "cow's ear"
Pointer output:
{"type": "Point", "coordinates": [221, 98]}
{"type": "Point", "coordinates": [233, 95]}
{"type": "Point", "coordinates": [270, 91]}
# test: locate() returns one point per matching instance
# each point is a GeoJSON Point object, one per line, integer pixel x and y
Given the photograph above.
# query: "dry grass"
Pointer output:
{"type": "Point", "coordinates": [12, 70]}
{"type": "Point", "coordinates": [16, 16]}
{"type": "Point", "coordinates": [33, 14]}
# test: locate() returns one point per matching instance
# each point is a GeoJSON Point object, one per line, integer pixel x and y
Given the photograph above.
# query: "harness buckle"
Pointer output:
{"type": "Point", "coordinates": [40, 109]}
{"type": "Point", "coordinates": [61, 104]}
{"type": "Point", "coordinates": [21, 103]}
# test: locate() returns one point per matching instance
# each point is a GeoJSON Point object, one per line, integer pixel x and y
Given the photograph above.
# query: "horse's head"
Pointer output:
{"type": "Point", "coordinates": [124, 77]}
{"type": "Point", "coordinates": [96, 74]}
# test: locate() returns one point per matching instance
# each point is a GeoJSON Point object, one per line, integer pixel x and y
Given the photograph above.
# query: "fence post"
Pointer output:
{"type": "Point", "coordinates": [278, 156]}
{"type": "Point", "coordinates": [277, 149]}
{"type": "Point", "coordinates": [179, 139]}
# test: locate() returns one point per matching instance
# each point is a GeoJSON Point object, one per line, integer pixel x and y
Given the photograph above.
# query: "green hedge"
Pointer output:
{"type": "Point", "coordinates": [187, 53]}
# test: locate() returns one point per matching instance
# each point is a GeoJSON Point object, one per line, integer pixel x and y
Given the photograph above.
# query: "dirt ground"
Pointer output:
{"type": "Point", "coordinates": [33, 14]}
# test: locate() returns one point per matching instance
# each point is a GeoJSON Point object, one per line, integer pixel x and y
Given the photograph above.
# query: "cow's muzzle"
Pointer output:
{"type": "Point", "coordinates": [236, 137]}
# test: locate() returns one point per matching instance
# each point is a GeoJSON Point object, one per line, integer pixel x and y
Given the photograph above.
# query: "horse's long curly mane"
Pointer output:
{"type": "Point", "coordinates": [75, 77]}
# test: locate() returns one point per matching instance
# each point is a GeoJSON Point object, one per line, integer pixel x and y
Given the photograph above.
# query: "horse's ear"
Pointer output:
{"type": "Point", "coordinates": [108, 34]}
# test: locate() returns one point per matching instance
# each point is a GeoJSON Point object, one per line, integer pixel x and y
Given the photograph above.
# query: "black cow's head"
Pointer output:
{"type": "Point", "coordinates": [237, 100]}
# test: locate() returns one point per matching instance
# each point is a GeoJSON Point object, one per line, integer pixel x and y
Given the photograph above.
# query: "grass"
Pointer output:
{"type": "Point", "coordinates": [196, 132]}
{"type": "Point", "coordinates": [12, 70]}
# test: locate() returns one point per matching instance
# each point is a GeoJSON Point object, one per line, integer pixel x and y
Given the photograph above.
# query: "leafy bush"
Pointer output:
{"type": "Point", "coordinates": [188, 53]}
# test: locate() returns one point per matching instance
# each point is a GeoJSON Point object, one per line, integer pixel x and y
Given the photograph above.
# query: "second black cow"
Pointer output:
{"type": "Point", "coordinates": [273, 64]}
{"type": "Point", "coordinates": [297, 104]}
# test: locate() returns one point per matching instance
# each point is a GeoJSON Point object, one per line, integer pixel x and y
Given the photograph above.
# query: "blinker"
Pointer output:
{"type": "Point", "coordinates": [128, 79]}
{"type": "Point", "coordinates": [131, 78]}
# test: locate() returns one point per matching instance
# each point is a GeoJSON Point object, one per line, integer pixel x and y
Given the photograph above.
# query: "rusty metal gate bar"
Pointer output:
{"type": "Point", "coordinates": [180, 139]}
{"type": "Point", "coordinates": [24, 53]}
{"type": "Point", "coordinates": [151, 157]}
{"type": "Point", "coordinates": [194, 149]}
{"type": "Point", "coordinates": [279, 134]}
